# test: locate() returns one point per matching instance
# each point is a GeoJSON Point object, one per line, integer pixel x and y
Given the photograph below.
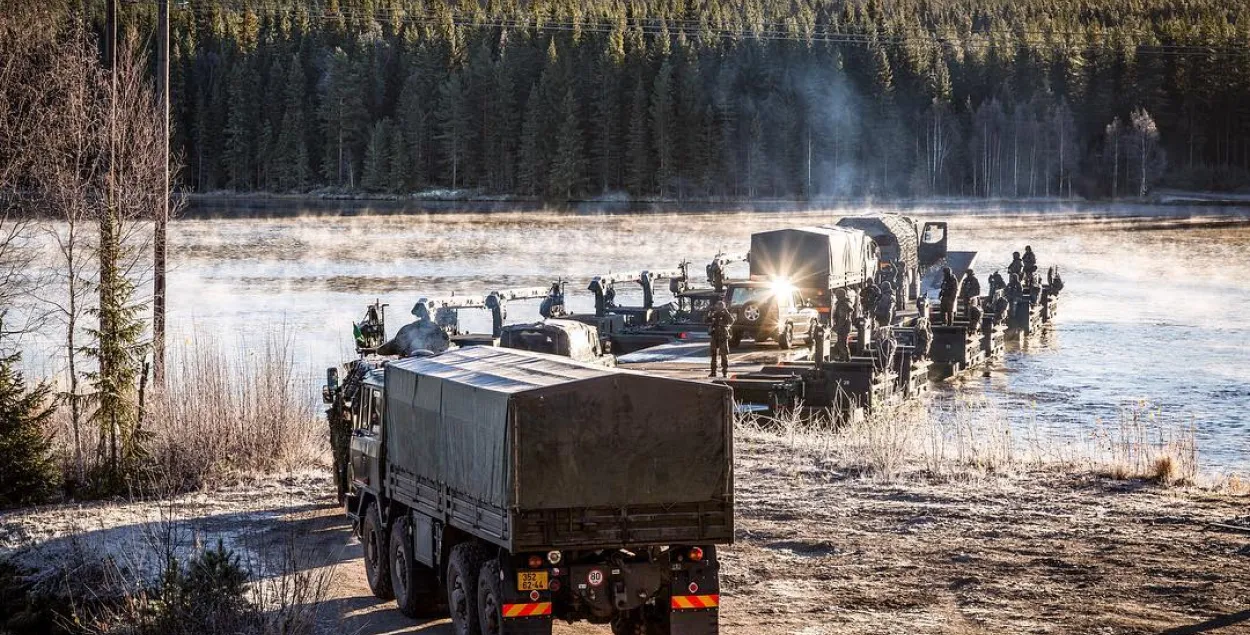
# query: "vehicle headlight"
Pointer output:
{"type": "Point", "coordinates": [554, 557]}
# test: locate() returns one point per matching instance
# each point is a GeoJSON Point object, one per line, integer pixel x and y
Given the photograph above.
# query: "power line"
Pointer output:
{"type": "Point", "coordinates": [815, 33]}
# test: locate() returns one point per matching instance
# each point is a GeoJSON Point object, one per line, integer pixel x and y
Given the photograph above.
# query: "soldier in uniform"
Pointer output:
{"type": "Point", "coordinates": [996, 283]}
{"type": "Point", "coordinates": [886, 346]}
{"type": "Point", "coordinates": [971, 288]}
{"type": "Point", "coordinates": [843, 317]}
{"type": "Point", "coordinates": [947, 296]}
{"type": "Point", "coordinates": [1000, 306]}
{"type": "Point", "coordinates": [974, 316]}
{"type": "Point", "coordinates": [1029, 260]}
{"type": "Point", "coordinates": [924, 338]}
{"type": "Point", "coordinates": [1016, 267]}
{"type": "Point", "coordinates": [1014, 289]}
{"type": "Point", "coordinates": [871, 294]}
{"type": "Point", "coordinates": [719, 323]}
{"type": "Point", "coordinates": [884, 311]}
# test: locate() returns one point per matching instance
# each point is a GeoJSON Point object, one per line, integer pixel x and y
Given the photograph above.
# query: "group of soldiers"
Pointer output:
{"type": "Point", "coordinates": [1023, 281]}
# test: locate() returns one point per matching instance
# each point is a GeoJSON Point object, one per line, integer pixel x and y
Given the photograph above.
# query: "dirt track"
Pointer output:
{"type": "Point", "coordinates": [820, 551]}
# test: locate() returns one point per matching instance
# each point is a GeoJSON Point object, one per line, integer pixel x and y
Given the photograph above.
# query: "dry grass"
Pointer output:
{"type": "Point", "coordinates": [962, 437]}
{"type": "Point", "coordinates": [1143, 444]}
{"type": "Point", "coordinates": [221, 416]}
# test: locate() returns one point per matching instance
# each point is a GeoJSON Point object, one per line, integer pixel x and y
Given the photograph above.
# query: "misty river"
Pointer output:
{"type": "Point", "coordinates": [1156, 309]}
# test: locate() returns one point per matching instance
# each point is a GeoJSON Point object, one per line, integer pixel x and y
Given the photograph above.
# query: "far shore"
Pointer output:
{"type": "Point", "coordinates": [260, 205]}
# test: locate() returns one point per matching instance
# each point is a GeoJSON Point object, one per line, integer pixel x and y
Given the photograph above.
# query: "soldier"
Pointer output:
{"type": "Point", "coordinates": [1030, 261]}
{"type": "Point", "coordinates": [996, 283]}
{"type": "Point", "coordinates": [924, 338]}
{"type": "Point", "coordinates": [420, 335]}
{"type": "Point", "coordinates": [1000, 306]}
{"type": "Point", "coordinates": [974, 316]}
{"type": "Point", "coordinates": [950, 291]}
{"type": "Point", "coordinates": [1014, 290]}
{"type": "Point", "coordinates": [971, 288]}
{"type": "Point", "coordinates": [1016, 267]}
{"type": "Point", "coordinates": [719, 323]}
{"type": "Point", "coordinates": [1056, 281]}
{"type": "Point", "coordinates": [871, 294]}
{"type": "Point", "coordinates": [843, 317]}
{"type": "Point", "coordinates": [884, 311]}
{"type": "Point", "coordinates": [886, 346]}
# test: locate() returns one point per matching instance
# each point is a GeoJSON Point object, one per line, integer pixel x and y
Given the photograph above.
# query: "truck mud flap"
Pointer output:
{"type": "Point", "coordinates": [694, 601]}
{"type": "Point", "coordinates": [525, 625]}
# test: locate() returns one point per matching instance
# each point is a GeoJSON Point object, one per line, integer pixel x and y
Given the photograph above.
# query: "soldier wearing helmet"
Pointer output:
{"type": "Point", "coordinates": [719, 326]}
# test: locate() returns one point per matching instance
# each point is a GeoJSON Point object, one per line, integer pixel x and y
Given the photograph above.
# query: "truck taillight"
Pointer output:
{"type": "Point", "coordinates": [536, 562]}
{"type": "Point", "coordinates": [554, 585]}
{"type": "Point", "coordinates": [696, 554]}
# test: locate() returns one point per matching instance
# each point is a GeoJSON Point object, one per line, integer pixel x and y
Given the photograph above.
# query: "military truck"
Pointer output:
{"type": "Point", "coordinates": [814, 260]}
{"type": "Point", "coordinates": [511, 488]}
{"type": "Point", "coordinates": [567, 338]}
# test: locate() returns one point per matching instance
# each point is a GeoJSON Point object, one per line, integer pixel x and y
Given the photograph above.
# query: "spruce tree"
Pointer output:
{"type": "Point", "coordinates": [454, 127]}
{"type": "Point", "coordinates": [566, 167]}
{"type": "Point", "coordinates": [376, 176]}
{"type": "Point", "coordinates": [28, 471]}
{"type": "Point", "coordinates": [530, 164]}
{"type": "Point", "coordinates": [664, 127]}
{"type": "Point", "coordinates": [639, 150]}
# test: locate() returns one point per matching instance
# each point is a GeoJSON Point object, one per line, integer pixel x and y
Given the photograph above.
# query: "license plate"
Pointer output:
{"type": "Point", "coordinates": [531, 581]}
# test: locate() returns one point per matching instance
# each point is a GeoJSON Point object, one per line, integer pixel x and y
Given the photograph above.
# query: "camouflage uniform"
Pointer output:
{"type": "Point", "coordinates": [1016, 267]}
{"type": "Point", "coordinates": [949, 292]}
{"type": "Point", "coordinates": [1029, 260]}
{"type": "Point", "coordinates": [884, 311]}
{"type": "Point", "coordinates": [720, 321]}
{"type": "Point", "coordinates": [843, 316]}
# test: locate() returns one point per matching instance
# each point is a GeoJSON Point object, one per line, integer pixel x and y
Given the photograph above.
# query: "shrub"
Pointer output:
{"type": "Point", "coordinates": [28, 471]}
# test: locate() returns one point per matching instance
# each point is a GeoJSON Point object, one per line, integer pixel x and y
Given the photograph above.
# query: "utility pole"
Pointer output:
{"type": "Point", "coordinates": [162, 213]}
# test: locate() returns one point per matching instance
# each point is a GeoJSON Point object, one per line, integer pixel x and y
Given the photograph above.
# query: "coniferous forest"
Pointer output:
{"type": "Point", "coordinates": [569, 99]}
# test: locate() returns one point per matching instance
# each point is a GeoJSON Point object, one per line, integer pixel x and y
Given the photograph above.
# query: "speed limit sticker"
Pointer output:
{"type": "Point", "coordinates": [595, 577]}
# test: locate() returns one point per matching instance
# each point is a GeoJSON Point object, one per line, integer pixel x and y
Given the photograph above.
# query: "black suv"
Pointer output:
{"type": "Point", "coordinates": [770, 311]}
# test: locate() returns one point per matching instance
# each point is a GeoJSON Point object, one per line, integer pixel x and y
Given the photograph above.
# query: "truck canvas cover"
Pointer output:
{"type": "Point", "coordinates": [895, 235]}
{"type": "Point", "coordinates": [523, 431]}
{"type": "Point", "coordinates": [813, 257]}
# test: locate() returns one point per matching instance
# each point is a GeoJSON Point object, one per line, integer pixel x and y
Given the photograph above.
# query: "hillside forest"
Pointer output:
{"type": "Point", "coordinates": [717, 99]}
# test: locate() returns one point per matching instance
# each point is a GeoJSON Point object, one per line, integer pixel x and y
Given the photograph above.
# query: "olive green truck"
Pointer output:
{"type": "Point", "coordinates": [510, 489]}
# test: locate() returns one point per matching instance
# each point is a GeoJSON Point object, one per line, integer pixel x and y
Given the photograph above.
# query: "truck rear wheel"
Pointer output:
{"type": "Point", "coordinates": [462, 579]}
{"type": "Point", "coordinates": [377, 563]}
{"type": "Point", "coordinates": [415, 585]}
{"type": "Point", "coordinates": [489, 599]}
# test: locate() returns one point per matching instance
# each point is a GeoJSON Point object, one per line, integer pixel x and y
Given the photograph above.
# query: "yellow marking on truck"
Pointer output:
{"type": "Point", "coordinates": [531, 581]}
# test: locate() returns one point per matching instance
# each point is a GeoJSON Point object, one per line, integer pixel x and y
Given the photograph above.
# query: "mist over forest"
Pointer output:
{"type": "Point", "coordinates": [887, 98]}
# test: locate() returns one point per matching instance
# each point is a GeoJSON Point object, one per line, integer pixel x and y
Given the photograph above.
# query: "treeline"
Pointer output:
{"type": "Point", "coordinates": [711, 98]}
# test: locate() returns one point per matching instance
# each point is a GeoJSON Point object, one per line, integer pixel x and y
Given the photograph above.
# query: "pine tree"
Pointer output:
{"type": "Point", "coordinates": [530, 166]}
{"type": "Point", "coordinates": [242, 134]}
{"type": "Point", "coordinates": [566, 168]}
{"type": "Point", "coordinates": [28, 472]}
{"type": "Point", "coordinates": [664, 127]}
{"type": "Point", "coordinates": [639, 150]}
{"type": "Point", "coordinates": [376, 176]}
{"type": "Point", "coordinates": [454, 131]}
{"type": "Point", "coordinates": [344, 119]}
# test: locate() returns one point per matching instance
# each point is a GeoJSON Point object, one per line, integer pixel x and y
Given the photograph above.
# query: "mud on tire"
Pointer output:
{"type": "Point", "coordinates": [463, 571]}
{"type": "Point", "coordinates": [377, 561]}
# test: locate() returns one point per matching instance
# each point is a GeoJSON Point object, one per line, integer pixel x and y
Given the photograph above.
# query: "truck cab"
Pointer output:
{"type": "Point", "coordinates": [770, 311]}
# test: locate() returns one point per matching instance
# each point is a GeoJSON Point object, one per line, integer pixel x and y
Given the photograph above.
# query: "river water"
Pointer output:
{"type": "Point", "coordinates": [1156, 311]}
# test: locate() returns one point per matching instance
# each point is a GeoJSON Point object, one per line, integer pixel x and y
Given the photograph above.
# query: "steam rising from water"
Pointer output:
{"type": "Point", "coordinates": [1161, 316]}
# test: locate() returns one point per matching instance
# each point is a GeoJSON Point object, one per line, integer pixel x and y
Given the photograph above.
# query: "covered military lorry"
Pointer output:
{"type": "Point", "coordinates": [512, 488]}
{"type": "Point", "coordinates": [821, 258]}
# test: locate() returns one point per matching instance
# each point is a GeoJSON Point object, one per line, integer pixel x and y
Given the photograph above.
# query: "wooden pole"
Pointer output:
{"type": "Point", "coordinates": [162, 213]}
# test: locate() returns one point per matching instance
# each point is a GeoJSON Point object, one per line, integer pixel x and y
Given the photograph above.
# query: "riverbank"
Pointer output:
{"type": "Point", "coordinates": [265, 205]}
{"type": "Point", "coordinates": [822, 546]}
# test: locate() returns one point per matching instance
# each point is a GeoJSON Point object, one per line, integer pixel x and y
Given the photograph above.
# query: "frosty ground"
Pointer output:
{"type": "Point", "coordinates": [819, 549]}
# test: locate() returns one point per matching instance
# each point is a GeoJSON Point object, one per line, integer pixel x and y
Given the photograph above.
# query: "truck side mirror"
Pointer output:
{"type": "Point", "coordinates": [332, 385]}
